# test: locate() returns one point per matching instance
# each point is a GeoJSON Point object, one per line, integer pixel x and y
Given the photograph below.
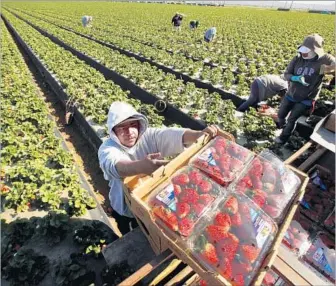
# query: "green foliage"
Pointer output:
{"type": "Point", "coordinates": [93, 236]}
{"type": "Point", "coordinates": [257, 127]}
{"type": "Point", "coordinates": [53, 227]}
{"type": "Point", "coordinates": [26, 268]}
{"type": "Point", "coordinates": [73, 271]}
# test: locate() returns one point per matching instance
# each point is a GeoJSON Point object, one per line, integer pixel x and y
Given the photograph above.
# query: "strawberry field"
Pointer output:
{"type": "Point", "coordinates": [131, 54]}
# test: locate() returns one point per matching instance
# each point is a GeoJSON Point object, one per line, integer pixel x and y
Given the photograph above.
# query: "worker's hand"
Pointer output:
{"type": "Point", "coordinates": [212, 130]}
{"type": "Point", "coordinates": [300, 79]}
{"type": "Point", "coordinates": [153, 162]}
{"type": "Point", "coordinates": [327, 69]}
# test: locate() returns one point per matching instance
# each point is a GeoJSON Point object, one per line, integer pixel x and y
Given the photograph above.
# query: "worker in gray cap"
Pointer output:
{"type": "Point", "coordinates": [304, 73]}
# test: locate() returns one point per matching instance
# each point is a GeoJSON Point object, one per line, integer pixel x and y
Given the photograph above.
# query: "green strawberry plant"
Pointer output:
{"type": "Point", "coordinates": [113, 275]}
{"type": "Point", "coordinates": [26, 268]}
{"type": "Point", "coordinates": [73, 271]}
{"type": "Point", "coordinates": [257, 127]}
{"type": "Point", "coordinates": [93, 236]}
{"type": "Point", "coordinates": [53, 227]}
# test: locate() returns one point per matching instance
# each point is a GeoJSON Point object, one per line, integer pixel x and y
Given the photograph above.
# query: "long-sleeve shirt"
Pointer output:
{"type": "Point", "coordinates": [310, 69]}
{"type": "Point", "coordinates": [270, 85]}
{"type": "Point", "coordinates": [210, 33]}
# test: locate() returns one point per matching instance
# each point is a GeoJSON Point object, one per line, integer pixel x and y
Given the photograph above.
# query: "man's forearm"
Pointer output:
{"type": "Point", "coordinates": [130, 168]}
{"type": "Point", "coordinates": [190, 136]}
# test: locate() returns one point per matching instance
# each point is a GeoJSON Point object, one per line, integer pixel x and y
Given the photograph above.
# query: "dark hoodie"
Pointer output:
{"type": "Point", "coordinates": [309, 68]}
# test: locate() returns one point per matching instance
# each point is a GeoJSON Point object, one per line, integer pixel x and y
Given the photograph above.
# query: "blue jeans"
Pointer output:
{"type": "Point", "coordinates": [296, 110]}
{"type": "Point", "coordinates": [253, 98]}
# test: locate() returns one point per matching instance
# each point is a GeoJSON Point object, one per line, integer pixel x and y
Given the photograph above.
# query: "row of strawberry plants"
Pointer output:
{"type": "Point", "coordinates": [35, 170]}
{"type": "Point", "coordinates": [239, 31]}
{"type": "Point", "coordinates": [84, 84]}
{"type": "Point", "coordinates": [222, 77]}
{"type": "Point", "coordinates": [217, 76]}
{"type": "Point", "coordinates": [229, 120]}
{"type": "Point", "coordinates": [175, 91]}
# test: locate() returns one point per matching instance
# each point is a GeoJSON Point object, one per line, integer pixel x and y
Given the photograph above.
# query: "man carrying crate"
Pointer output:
{"type": "Point", "coordinates": [133, 149]}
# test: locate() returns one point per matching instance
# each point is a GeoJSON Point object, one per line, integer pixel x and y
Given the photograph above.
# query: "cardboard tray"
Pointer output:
{"type": "Point", "coordinates": [137, 189]}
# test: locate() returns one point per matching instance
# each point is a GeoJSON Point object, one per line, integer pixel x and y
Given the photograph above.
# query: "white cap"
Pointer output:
{"type": "Point", "coordinates": [304, 50]}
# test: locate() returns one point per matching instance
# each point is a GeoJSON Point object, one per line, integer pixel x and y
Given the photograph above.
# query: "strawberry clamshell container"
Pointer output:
{"type": "Point", "coordinates": [233, 239]}
{"type": "Point", "coordinates": [269, 183]}
{"type": "Point", "coordinates": [322, 256]}
{"type": "Point", "coordinates": [222, 160]}
{"type": "Point", "coordinates": [299, 235]}
{"type": "Point", "coordinates": [179, 202]}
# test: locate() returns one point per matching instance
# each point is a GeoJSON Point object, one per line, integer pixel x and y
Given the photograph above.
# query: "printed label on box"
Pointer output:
{"type": "Point", "coordinates": [167, 197]}
{"type": "Point", "coordinates": [262, 228]}
{"type": "Point", "coordinates": [208, 157]}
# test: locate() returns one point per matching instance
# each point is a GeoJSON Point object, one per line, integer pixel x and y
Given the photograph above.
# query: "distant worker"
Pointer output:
{"type": "Point", "coordinates": [305, 74]}
{"type": "Point", "coordinates": [194, 24]}
{"type": "Point", "coordinates": [86, 21]}
{"type": "Point", "coordinates": [210, 34]}
{"type": "Point", "coordinates": [264, 87]}
{"type": "Point", "coordinates": [177, 21]}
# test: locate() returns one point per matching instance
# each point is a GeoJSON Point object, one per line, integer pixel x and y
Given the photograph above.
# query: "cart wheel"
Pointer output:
{"type": "Point", "coordinates": [160, 105]}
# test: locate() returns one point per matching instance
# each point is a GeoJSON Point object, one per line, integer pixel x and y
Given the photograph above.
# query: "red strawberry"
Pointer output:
{"type": "Point", "coordinates": [189, 196]}
{"type": "Point", "coordinates": [236, 219]}
{"type": "Point", "coordinates": [182, 209]}
{"type": "Point", "coordinates": [203, 283]}
{"type": "Point", "coordinates": [209, 254]}
{"type": "Point", "coordinates": [247, 181]}
{"type": "Point", "coordinates": [257, 183]}
{"type": "Point", "coordinates": [272, 211]}
{"type": "Point", "coordinates": [181, 179]}
{"type": "Point", "coordinates": [258, 196]}
{"type": "Point", "coordinates": [224, 162]}
{"type": "Point", "coordinates": [269, 280]}
{"type": "Point", "coordinates": [222, 219]}
{"type": "Point", "coordinates": [250, 252]}
{"type": "Point", "coordinates": [234, 149]}
{"type": "Point", "coordinates": [259, 200]}
{"type": "Point", "coordinates": [217, 232]}
{"type": "Point", "coordinates": [235, 165]}
{"type": "Point", "coordinates": [185, 226]}
{"type": "Point", "coordinates": [177, 190]}
{"type": "Point", "coordinates": [201, 164]}
{"type": "Point", "coordinates": [257, 166]}
{"type": "Point", "coordinates": [167, 216]}
{"type": "Point", "coordinates": [198, 208]}
{"type": "Point", "coordinates": [225, 268]}
{"type": "Point", "coordinates": [231, 205]}
{"type": "Point", "coordinates": [220, 142]}
{"type": "Point", "coordinates": [195, 177]}
{"type": "Point", "coordinates": [205, 186]}
{"type": "Point", "coordinates": [205, 199]}
{"type": "Point", "coordinates": [228, 246]}
{"type": "Point", "coordinates": [238, 280]}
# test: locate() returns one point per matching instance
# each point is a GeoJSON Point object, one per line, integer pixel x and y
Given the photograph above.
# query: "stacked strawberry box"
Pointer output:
{"type": "Point", "coordinates": [321, 256]}
{"type": "Point", "coordinates": [269, 184]}
{"type": "Point", "coordinates": [233, 239]}
{"type": "Point", "coordinates": [299, 235]}
{"type": "Point", "coordinates": [273, 279]}
{"type": "Point", "coordinates": [329, 222]}
{"type": "Point", "coordinates": [319, 199]}
{"type": "Point", "coordinates": [181, 201]}
{"type": "Point", "coordinates": [221, 211]}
